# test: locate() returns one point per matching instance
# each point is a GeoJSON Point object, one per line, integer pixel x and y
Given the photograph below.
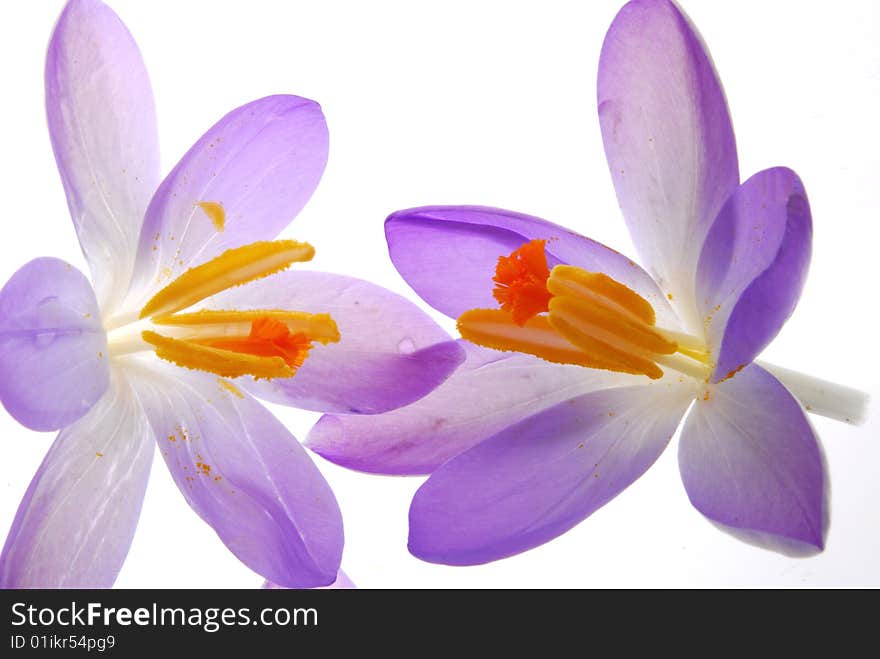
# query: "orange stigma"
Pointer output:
{"type": "Point", "coordinates": [521, 282]}
{"type": "Point", "coordinates": [267, 338]}
{"type": "Point", "coordinates": [572, 316]}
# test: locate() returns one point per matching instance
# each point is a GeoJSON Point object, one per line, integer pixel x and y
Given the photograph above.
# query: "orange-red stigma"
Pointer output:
{"type": "Point", "coordinates": [267, 338]}
{"type": "Point", "coordinates": [521, 282]}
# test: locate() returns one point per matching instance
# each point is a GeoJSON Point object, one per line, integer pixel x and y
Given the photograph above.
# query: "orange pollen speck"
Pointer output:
{"type": "Point", "coordinates": [732, 373]}
{"type": "Point", "coordinates": [521, 282]}
{"type": "Point", "coordinates": [268, 338]}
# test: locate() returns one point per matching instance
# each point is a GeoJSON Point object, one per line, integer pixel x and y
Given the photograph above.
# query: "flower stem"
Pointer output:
{"type": "Point", "coordinates": [684, 365]}
{"type": "Point", "coordinates": [121, 320]}
{"type": "Point", "coordinates": [822, 397]}
{"type": "Point", "coordinates": [127, 345]}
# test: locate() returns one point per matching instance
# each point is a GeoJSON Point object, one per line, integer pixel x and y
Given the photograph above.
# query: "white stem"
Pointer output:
{"type": "Point", "coordinates": [689, 341]}
{"type": "Point", "coordinates": [128, 345]}
{"type": "Point", "coordinates": [821, 396]}
{"type": "Point", "coordinates": [121, 320]}
{"type": "Point", "coordinates": [684, 365]}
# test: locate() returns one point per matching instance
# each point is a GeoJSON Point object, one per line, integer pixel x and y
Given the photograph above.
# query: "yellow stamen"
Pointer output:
{"type": "Point", "coordinates": [698, 355]}
{"type": "Point", "coordinates": [215, 213]}
{"type": "Point", "coordinates": [317, 327]}
{"type": "Point", "coordinates": [494, 328]}
{"type": "Point", "coordinates": [232, 268]}
{"type": "Point", "coordinates": [621, 360]}
{"type": "Point", "coordinates": [695, 369]}
{"type": "Point", "coordinates": [225, 363]}
{"type": "Point", "coordinates": [615, 329]}
{"type": "Point", "coordinates": [591, 320]}
{"type": "Point", "coordinates": [602, 290]}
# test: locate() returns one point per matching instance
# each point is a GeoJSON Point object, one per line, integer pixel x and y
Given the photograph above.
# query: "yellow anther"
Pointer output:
{"type": "Point", "coordinates": [611, 327]}
{"type": "Point", "coordinates": [575, 323]}
{"type": "Point", "coordinates": [602, 290]}
{"type": "Point", "coordinates": [494, 328]}
{"type": "Point", "coordinates": [232, 268]}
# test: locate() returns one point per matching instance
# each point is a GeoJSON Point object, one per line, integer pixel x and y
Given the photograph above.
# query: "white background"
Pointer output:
{"type": "Point", "coordinates": [494, 103]}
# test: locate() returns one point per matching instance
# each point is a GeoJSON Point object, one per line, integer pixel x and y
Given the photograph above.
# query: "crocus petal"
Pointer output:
{"type": "Point", "coordinates": [78, 517]}
{"type": "Point", "coordinates": [753, 267]}
{"type": "Point", "coordinates": [245, 475]}
{"type": "Point", "coordinates": [448, 255]}
{"type": "Point", "coordinates": [489, 392]}
{"type": "Point", "coordinates": [668, 137]}
{"type": "Point", "coordinates": [750, 461]}
{"type": "Point", "coordinates": [260, 163]}
{"type": "Point", "coordinates": [390, 354]}
{"type": "Point", "coordinates": [102, 124]}
{"type": "Point", "coordinates": [53, 349]}
{"type": "Point", "coordinates": [342, 583]}
{"type": "Point", "coordinates": [540, 477]}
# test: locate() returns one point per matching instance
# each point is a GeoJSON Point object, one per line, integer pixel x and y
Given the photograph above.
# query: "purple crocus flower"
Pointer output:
{"type": "Point", "coordinates": [523, 442]}
{"type": "Point", "coordinates": [177, 274]}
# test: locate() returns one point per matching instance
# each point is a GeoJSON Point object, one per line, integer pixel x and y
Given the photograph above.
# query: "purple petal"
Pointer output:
{"type": "Point", "coordinates": [102, 123]}
{"type": "Point", "coordinates": [668, 138]}
{"type": "Point", "coordinates": [448, 255]}
{"type": "Point", "coordinates": [485, 395]}
{"type": "Point", "coordinates": [78, 517]}
{"type": "Point", "coordinates": [391, 353]}
{"type": "Point", "coordinates": [753, 266]}
{"type": "Point", "coordinates": [537, 479]}
{"type": "Point", "coordinates": [53, 349]}
{"type": "Point", "coordinates": [261, 162]}
{"type": "Point", "coordinates": [342, 583]}
{"type": "Point", "coordinates": [245, 475]}
{"type": "Point", "coordinates": [750, 461]}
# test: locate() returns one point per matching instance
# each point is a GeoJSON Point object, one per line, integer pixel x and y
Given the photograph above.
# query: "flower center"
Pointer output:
{"type": "Point", "coordinates": [571, 316]}
{"type": "Point", "coordinates": [263, 343]}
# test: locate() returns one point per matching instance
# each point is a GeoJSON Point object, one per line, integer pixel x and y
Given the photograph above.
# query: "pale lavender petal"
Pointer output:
{"type": "Point", "coordinates": [342, 583]}
{"type": "Point", "coordinates": [448, 255]}
{"type": "Point", "coordinates": [390, 354]}
{"type": "Point", "coordinates": [102, 124]}
{"type": "Point", "coordinates": [261, 162]}
{"type": "Point", "coordinates": [539, 478]}
{"type": "Point", "coordinates": [753, 267]}
{"type": "Point", "coordinates": [245, 475]}
{"type": "Point", "coordinates": [53, 349]}
{"type": "Point", "coordinates": [668, 137]}
{"type": "Point", "coordinates": [489, 392]}
{"type": "Point", "coordinates": [76, 522]}
{"type": "Point", "coordinates": [750, 461]}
